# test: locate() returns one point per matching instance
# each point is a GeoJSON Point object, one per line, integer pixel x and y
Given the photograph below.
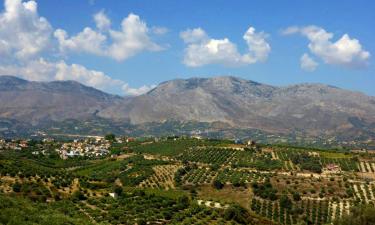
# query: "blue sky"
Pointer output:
{"type": "Point", "coordinates": [348, 64]}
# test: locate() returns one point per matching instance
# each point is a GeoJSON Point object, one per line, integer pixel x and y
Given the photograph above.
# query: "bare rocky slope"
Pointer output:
{"type": "Point", "coordinates": [310, 109]}
{"type": "Point", "coordinates": [36, 102]}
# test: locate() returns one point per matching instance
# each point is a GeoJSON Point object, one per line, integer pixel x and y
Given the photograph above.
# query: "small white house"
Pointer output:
{"type": "Point", "coordinates": [113, 195]}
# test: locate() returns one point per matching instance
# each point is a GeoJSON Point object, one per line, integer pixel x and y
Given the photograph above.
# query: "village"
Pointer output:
{"type": "Point", "coordinates": [93, 147]}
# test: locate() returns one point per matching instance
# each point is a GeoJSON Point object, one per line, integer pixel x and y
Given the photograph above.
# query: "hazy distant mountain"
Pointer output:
{"type": "Point", "coordinates": [36, 102]}
{"type": "Point", "coordinates": [308, 109]}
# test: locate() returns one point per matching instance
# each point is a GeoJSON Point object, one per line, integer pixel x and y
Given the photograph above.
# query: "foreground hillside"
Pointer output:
{"type": "Point", "coordinates": [179, 181]}
{"type": "Point", "coordinates": [220, 106]}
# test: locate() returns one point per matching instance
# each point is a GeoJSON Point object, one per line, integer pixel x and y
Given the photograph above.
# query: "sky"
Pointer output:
{"type": "Point", "coordinates": [127, 47]}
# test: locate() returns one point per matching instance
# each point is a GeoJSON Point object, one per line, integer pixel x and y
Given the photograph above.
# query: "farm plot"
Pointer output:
{"type": "Point", "coordinates": [283, 155]}
{"type": "Point", "coordinates": [163, 177]}
{"type": "Point", "coordinates": [309, 211]}
{"type": "Point", "coordinates": [346, 164]}
{"type": "Point", "coordinates": [198, 176]}
{"type": "Point", "coordinates": [207, 155]}
{"type": "Point", "coordinates": [363, 192]}
{"type": "Point", "coordinates": [129, 209]}
{"type": "Point", "coordinates": [338, 209]}
{"type": "Point", "coordinates": [238, 177]}
{"type": "Point", "coordinates": [252, 159]}
{"type": "Point", "coordinates": [367, 167]}
{"type": "Point", "coordinates": [272, 211]}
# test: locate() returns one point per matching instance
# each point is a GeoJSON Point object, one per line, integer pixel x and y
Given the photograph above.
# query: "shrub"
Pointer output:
{"type": "Point", "coordinates": [218, 184]}
{"type": "Point", "coordinates": [17, 187]}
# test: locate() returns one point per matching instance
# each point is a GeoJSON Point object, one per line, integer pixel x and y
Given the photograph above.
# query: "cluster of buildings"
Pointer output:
{"type": "Point", "coordinates": [84, 148]}
{"type": "Point", "coordinates": [13, 145]}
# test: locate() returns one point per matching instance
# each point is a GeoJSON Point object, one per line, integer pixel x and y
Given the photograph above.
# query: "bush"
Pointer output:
{"type": "Point", "coordinates": [238, 214]}
{"type": "Point", "coordinates": [110, 137]}
{"type": "Point", "coordinates": [118, 190]}
{"type": "Point", "coordinates": [78, 196]}
{"type": "Point", "coordinates": [363, 214]}
{"type": "Point", "coordinates": [218, 184]}
{"type": "Point", "coordinates": [17, 187]}
{"type": "Point", "coordinates": [285, 202]}
{"type": "Point", "coordinates": [296, 196]}
{"type": "Point", "coordinates": [265, 190]}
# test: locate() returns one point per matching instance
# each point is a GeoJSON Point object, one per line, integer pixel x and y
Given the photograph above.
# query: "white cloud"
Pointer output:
{"type": "Point", "coordinates": [290, 30]}
{"type": "Point", "coordinates": [159, 30]}
{"type": "Point", "coordinates": [307, 63]}
{"type": "Point", "coordinates": [23, 33]}
{"type": "Point", "coordinates": [131, 39]}
{"type": "Point", "coordinates": [102, 21]}
{"type": "Point", "coordinates": [88, 41]}
{"type": "Point", "coordinates": [137, 91]}
{"type": "Point", "coordinates": [43, 70]}
{"type": "Point", "coordinates": [202, 50]}
{"type": "Point", "coordinates": [25, 37]}
{"type": "Point", "coordinates": [194, 35]}
{"type": "Point", "coordinates": [258, 46]}
{"type": "Point", "coordinates": [346, 51]}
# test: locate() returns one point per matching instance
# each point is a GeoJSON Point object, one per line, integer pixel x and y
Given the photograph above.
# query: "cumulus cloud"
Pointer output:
{"type": "Point", "coordinates": [43, 70]}
{"type": "Point", "coordinates": [88, 41]}
{"type": "Point", "coordinates": [346, 51]}
{"type": "Point", "coordinates": [102, 21]}
{"type": "Point", "coordinates": [137, 91]}
{"type": "Point", "coordinates": [131, 39]}
{"type": "Point", "coordinates": [23, 33]}
{"type": "Point", "coordinates": [202, 50]}
{"type": "Point", "coordinates": [194, 35]}
{"type": "Point", "coordinates": [25, 37]}
{"type": "Point", "coordinates": [307, 63]}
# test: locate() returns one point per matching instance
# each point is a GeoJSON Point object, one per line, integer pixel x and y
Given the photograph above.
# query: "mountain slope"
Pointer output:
{"type": "Point", "coordinates": [313, 109]}
{"type": "Point", "coordinates": [36, 102]}
{"type": "Point", "coordinates": [305, 109]}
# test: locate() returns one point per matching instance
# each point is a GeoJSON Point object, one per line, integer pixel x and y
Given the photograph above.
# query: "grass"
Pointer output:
{"type": "Point", "coordinates": [173, 147]}
{"type": "Point", "coordinates": [334, 155]}
{"type": "Point", "coordinates": [174, 194]}
{"type": "Point", "coordinates": [228, 195]}
{"type": "Point", "coordinates": [100, 166]}
{"type": "Point", "coordinates": [171, 193]}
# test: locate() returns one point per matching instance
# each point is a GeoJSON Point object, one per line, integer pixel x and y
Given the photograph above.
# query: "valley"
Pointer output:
{"type": "Point", "coordinates": [182, 180]}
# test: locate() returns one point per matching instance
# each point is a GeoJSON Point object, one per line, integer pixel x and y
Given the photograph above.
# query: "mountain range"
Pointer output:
{"type": "Point", "coordinates": [310, 110]}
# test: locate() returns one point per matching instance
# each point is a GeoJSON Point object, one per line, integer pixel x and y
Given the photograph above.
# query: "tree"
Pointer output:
{"type": "Point", "coordinates": [218, 185]}
{"type": "Point", "coordinates": [110, 137]}
{"type": "Point", "coordinates": [237, 213]}
{"type": "Point", "coordinates": [17, 187]}
{"type": "Point", "coordinates": [359, 215]}
{"type": "Point", "coordinates": [78, 196]}
{"type": "Point", "coordinates": [296, 196]}
{"type": "Point", "coordinates": [118, 190]}
{"type": "Point", "coordinates": [183, 201]}
{"type": "Point", "coordinates": [285, 202]}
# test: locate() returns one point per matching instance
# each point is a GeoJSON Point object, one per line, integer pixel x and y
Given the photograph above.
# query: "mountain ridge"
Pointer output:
{"type": "Point", "coordinates": [309, 109]}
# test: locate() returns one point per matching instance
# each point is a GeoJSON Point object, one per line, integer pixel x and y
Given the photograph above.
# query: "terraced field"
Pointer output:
{"type": "Point", "coordinates": [197, 182]}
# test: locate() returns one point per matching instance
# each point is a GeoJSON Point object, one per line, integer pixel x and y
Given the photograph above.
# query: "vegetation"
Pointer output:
{"type": "Point", "coordinates": [178, 180]}
{"type": "Point", "coordinates": [360, 215]}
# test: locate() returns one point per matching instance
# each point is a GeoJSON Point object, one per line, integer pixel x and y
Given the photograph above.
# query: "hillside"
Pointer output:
{"type": "Point", "coordinates": [36, 102]}
{"type": "Point", "coordinates": [306, 110]}
{"type": "Point", "coordinates": [313, 109]}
